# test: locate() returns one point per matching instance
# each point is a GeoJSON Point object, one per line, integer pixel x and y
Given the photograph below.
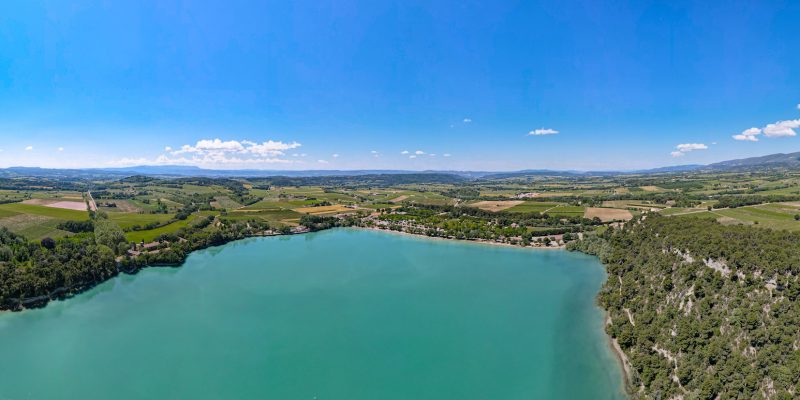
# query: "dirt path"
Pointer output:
{"type": "Point", "coordinates": [92, 204]}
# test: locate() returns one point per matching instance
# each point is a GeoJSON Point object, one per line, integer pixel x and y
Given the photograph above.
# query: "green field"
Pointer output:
{"type": "Point", "coordinates": [127, 220]}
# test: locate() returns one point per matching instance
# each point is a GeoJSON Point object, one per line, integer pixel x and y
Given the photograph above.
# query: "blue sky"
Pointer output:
{"type": "Point", "coordinates": [346, 85]}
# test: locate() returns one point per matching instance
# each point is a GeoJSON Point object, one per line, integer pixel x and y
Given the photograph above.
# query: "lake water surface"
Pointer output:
{"type": "Point", "coordinates": [342, 314]}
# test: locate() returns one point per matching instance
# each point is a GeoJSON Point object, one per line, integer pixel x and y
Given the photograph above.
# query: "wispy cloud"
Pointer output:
{"type": "Point", "coordinates": [542, 131]}
{"type": "Point", "coordinates": [682, 149]}
{"type": "Point", "coordinates": [168, 148]}
{"type": "Point", "coordinates": [412, 156]}
{"type": "Point", "coordinates": [322, 161]}
{"type": "Point", "coordinates": [404, 152]}
{"type": "Point", "coordinates": [335, 155]}
{"type": "Point", "coordinates": [446, 155]}
{"type": "Point", "coordinates": [60, 149]}
{"type": "Point", "coordinates": [419, 152]}
{"type": "Point", "coordinates": [467, 120]}
{"type": "Point", "coordinates": [29, 148]}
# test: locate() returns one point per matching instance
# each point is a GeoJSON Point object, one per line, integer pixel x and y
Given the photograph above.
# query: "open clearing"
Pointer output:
{"type": "Point", "coordinates": [496, 205]}
{"type": "Point", "coordinates": [608, 214]}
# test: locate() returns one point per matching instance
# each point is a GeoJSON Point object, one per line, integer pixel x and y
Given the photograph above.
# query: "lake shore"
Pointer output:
{"type": "Point", "coordinates": [486, 242]}
{"type": "Point", "coordinates": [622, 359]}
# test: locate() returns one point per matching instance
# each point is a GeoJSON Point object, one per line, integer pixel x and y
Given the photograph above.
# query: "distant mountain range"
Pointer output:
{"type": "Point", "coordinates": [772, 161]}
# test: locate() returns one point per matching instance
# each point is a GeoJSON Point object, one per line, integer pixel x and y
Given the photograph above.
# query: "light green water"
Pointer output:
{"type": "Point", "coordinates": [341, 314]}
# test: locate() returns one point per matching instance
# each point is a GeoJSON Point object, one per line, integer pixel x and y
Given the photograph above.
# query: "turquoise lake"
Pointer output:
{"type": "Point", "coordinates": [342, 314]}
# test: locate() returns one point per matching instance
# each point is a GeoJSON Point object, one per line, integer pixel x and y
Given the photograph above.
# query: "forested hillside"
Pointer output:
{"type": "Point", "coordinates": [703, 310]}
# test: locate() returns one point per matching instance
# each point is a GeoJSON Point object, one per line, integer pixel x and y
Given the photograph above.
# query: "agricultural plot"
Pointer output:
{"type": "Point", "coordinates": [532, 207]}
{"type": "Point", "coordinates": [495, 206]}
{"type": "Point", "coordinates": [608, 214]}
{"type": "Point", "coordinates": [52, 212]}
{"type": "Point", "coordinates": [322, 210]}
{"type": "Point", "coordinates": [128, 220]}
{"type": "Point", "coordinates": [278, 204]}
{"type": "Point", "coordinates": [651, 188]}
{"type": "Point", "coordinates": [429, 198]}
{"type": "Point", "coordinates": [33, 227]}
{"type": "Point", "coordinates": [152, 234]}
{"type": "Point", "coordinates": [225, 202]}
{"type": "Point", "coordinates": [566, 211]}
{"type": "Point", "coordinates": [276, 216]}
{"type": "Point", "coordinates": [58, 203]}
{"type": "Point", "coordinates": [120, 205]}
{"type": "Point", "coordinates": [12, 195]}
{"type": "Point", "coordinates": [758, 215]}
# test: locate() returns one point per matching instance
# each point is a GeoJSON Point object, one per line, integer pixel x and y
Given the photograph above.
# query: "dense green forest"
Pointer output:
{"type": "Point", "coordinates": [703, 310]}
{"type": "Point", "coordinates": [32, 273]}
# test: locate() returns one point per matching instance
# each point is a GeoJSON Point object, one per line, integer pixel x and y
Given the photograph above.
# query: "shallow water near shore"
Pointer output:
{"type": "Point", "coordinates": [339, 314]}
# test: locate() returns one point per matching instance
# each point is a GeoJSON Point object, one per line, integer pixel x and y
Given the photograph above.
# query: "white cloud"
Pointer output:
{"type": "Point", "coordinates": [208, 146]}
{"type": "Point", "coordinates": [446, 155]}
{"type": "Point", "coordinates": [543, 131]}
{"type": "Point", "coordinates": [404, 152]}
{"type": "Point", "coordinates": [217, 152]}
{"type": "Point", "coordinates": [374, 151]}
{"type": "Point", "coordinates": [467, 120]}
{"type": "Point", "coordinates": [778, 129]}
{"type": "Point", "coordinates": [432, 155]}
{"type": "Point", "coordinates": [322, 161]}
{"type": "Point", "coordinates": [798, 106]}
{"type": "Point", "coordinates": [687, 147]}
{"type": "Point", "coordinates": [412, 156]}
{"type": "Point", "coordinates": [748, 135]}
{"type": "Point", "coordinates": [419, 152]}
{"type": "Point", "coordinates": [782, 128]}
{"type": "Point", "coordinates": [60, 149]}
{"type": "Point", "coordinates": [684, 148]}
{"type": "Point", "coordinates": [335, 155]}
{"type": "Point", "coordinates": [29, 148]}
